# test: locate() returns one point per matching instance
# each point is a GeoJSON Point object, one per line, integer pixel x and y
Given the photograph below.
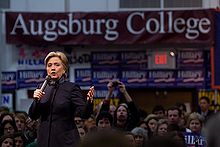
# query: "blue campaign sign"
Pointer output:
{"type": "Point", "coordinates": [8, 80]}
{"type": "Point", "coordinates": [83, 77]}
{"type": "Point", "coordinates": [134, 78]}
{"type": "Point", "coordinates": [215, 53]}
{"type": "Point", "coordinates": [30, 78]}
{"type": "Point", "coordinates": [109, 60]}
{"type": "Point", "coordinates": [193, 140]}
{"type": "Point", "coordinates": [7, 100]}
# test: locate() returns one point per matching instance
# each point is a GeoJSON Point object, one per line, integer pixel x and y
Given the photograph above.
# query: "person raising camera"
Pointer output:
{"type": "Point", "coordinates": [126, 114]}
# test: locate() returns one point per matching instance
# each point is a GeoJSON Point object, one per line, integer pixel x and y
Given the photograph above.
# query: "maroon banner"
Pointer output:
{"type": "Point", "coordinates": [189, 26]}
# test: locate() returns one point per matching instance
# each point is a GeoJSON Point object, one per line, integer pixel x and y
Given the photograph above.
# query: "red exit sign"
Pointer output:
{"type": "Point", "coordinates": [160, 58]}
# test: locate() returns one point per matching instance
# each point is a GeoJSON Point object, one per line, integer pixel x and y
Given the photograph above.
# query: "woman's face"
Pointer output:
{"type": "Point", "coordinates": [8, 129]}
{"type": "Point", "coordinates": [152, 124]}
{"type": "Point", "coordinates": [55, 68]}
{"type": "Point", "coordinates": [195, 126]}
{"type": "Point", "coordinates": [8, 142]}
{"type": "Point", "coordinates": [162, 129]}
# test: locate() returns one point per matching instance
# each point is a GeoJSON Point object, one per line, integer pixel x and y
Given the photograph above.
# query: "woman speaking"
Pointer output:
{"type": "Point", "coordinates": [55, 103]}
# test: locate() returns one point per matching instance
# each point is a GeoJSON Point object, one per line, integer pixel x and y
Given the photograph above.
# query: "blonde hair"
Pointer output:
{"type": "Point", "coordinates": [194, 116]}
{"type": "Point", "coordinates": [60, 55]}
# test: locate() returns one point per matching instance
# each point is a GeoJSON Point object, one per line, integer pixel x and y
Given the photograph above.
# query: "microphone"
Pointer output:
{"type": "Point", "coordinates": [47, 79]}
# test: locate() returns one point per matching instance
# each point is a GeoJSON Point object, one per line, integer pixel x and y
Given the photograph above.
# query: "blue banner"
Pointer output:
{"type": "Point", "coordinates": [134, 78]}
{"type": "Point", "coordinates": [9, 80]}
{"type": "Point", "coordinates": [134, 60]}
{"type": "Point", "coordinates": [109, 60]}
{"type": "Point", "coordinates": [190, 58]}
{"type": "Point", "coordinates": [83, 77]}
{"type": "Point", "coordinates": [191, 78]}
{"type": "Point", "coordinates": [102, 77]}
{"type": "Point", "coordinates": [30, 78]}
{"type": "Point", "coordinates": [162, 78]}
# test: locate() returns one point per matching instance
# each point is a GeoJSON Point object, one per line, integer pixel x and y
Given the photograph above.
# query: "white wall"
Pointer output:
{"type": "Point", "coordinates": [64, 5]}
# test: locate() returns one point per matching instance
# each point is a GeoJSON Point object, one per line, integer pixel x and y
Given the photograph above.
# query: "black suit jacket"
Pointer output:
{"type": "Point", "coordinates": [56, 112]}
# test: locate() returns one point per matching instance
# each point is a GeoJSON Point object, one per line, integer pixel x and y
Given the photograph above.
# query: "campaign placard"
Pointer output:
{"type": "Point", "coordinates": [101, 92]}
{"type": "Point", "coordinates": [9, 80]}
{"type": "Point", "coordinates": [30, 78]}
{"type": "Point", "coordinates": [102, 77]}
{"type": "Point", "coordinates": [194, 140]}
{"type": "Point", "coordinates": [109, 60]}
{"type": "Point", "coordinates": [83, 77]}
{"type": "Point", "coordinates": [134, 60]}
{"type": "Point", "coordinates": [162, 78]}
{"type": "Point", "coordinates": [134, 78]}
{"type": "Point", "coordinates": [191, 78]}
{"type": "Point", "coordinates": [190, 58]}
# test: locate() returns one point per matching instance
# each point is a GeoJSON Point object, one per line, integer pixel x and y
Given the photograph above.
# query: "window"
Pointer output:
{"type": "Point", "coordinates": [4, 4]}
{"type": "Point", "coordinates": [140, 3]}
{"type": "Point", "coordinates": [160, 4]}
{"type": "Point", "coordinates": [182, 3]}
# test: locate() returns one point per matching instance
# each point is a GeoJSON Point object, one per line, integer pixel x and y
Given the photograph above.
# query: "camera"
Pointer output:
{"type": "Point", "coordinates": [114, 83]}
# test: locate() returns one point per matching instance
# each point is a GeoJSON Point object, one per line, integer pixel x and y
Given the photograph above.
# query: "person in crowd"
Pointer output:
{"type": "Point", "coordinates": [174, 115]}
{"type": "Point", "coordinates": [78, 121]}
{"type": "Point", "coordinates": [7, 116]}
{"type": "Point", "coordinates": [162, 127]}
{"type": "Point", "coordinates": [204, 104]}
{"type": "Point", "coordinates": [142, 124]}
{"type": "Point", "coordinates": [167, 141]}
{"type": "Point", "coordinates": [112, 109]}
{"type": "Point", "coordinates": [151, 122]}
{"type": "Point", "coordinates": [8, 127]}
{"type": "Point", "coordinates": [19, 139]}
{"type": "Point", "coordinates": [195, 123]}
{"type": "Point", "coordinates": [130, 138]}
{"type": "Point", "coordinates": [126, 115]}
{"type": "Point", "coordinates": [104, 121]}
{"type": "Point", "coordinates": [56, 105]}
{"type": "Point", "coordinates": [140, 136]}
{"type": "Point", "coordinates": [82, 132]}
{"type": "Point", "coordinates": [211, 131]}
{"type": "Point", "coordinates": [105, 139]}
{"type": "Point", "coordinates": [20, 120]}
{"type": "Point", "coordinates": [30, 132]}
{"type": "Point", "coordinates": [90, 125]}
{"type": "Point", "coordinates": [159, 111]}
{"type": "Point", "coordinates": [7, 140]}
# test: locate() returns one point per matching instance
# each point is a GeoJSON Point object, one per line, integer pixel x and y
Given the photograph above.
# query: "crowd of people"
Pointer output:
{"type": "Point", "coordinates": [123, 125]}
{"type": "Point", "coordinates": [60, 116]}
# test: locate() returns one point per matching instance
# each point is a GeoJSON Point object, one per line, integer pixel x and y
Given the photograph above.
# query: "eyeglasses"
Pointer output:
{"type": "Point", "coordinates": [8, 129]}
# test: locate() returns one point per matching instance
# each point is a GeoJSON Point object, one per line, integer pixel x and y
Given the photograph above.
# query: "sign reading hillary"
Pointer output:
{"type": "Point", "coordinates": [9, 80]}
{"type": "Point", "coordinates": [30, 78]}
